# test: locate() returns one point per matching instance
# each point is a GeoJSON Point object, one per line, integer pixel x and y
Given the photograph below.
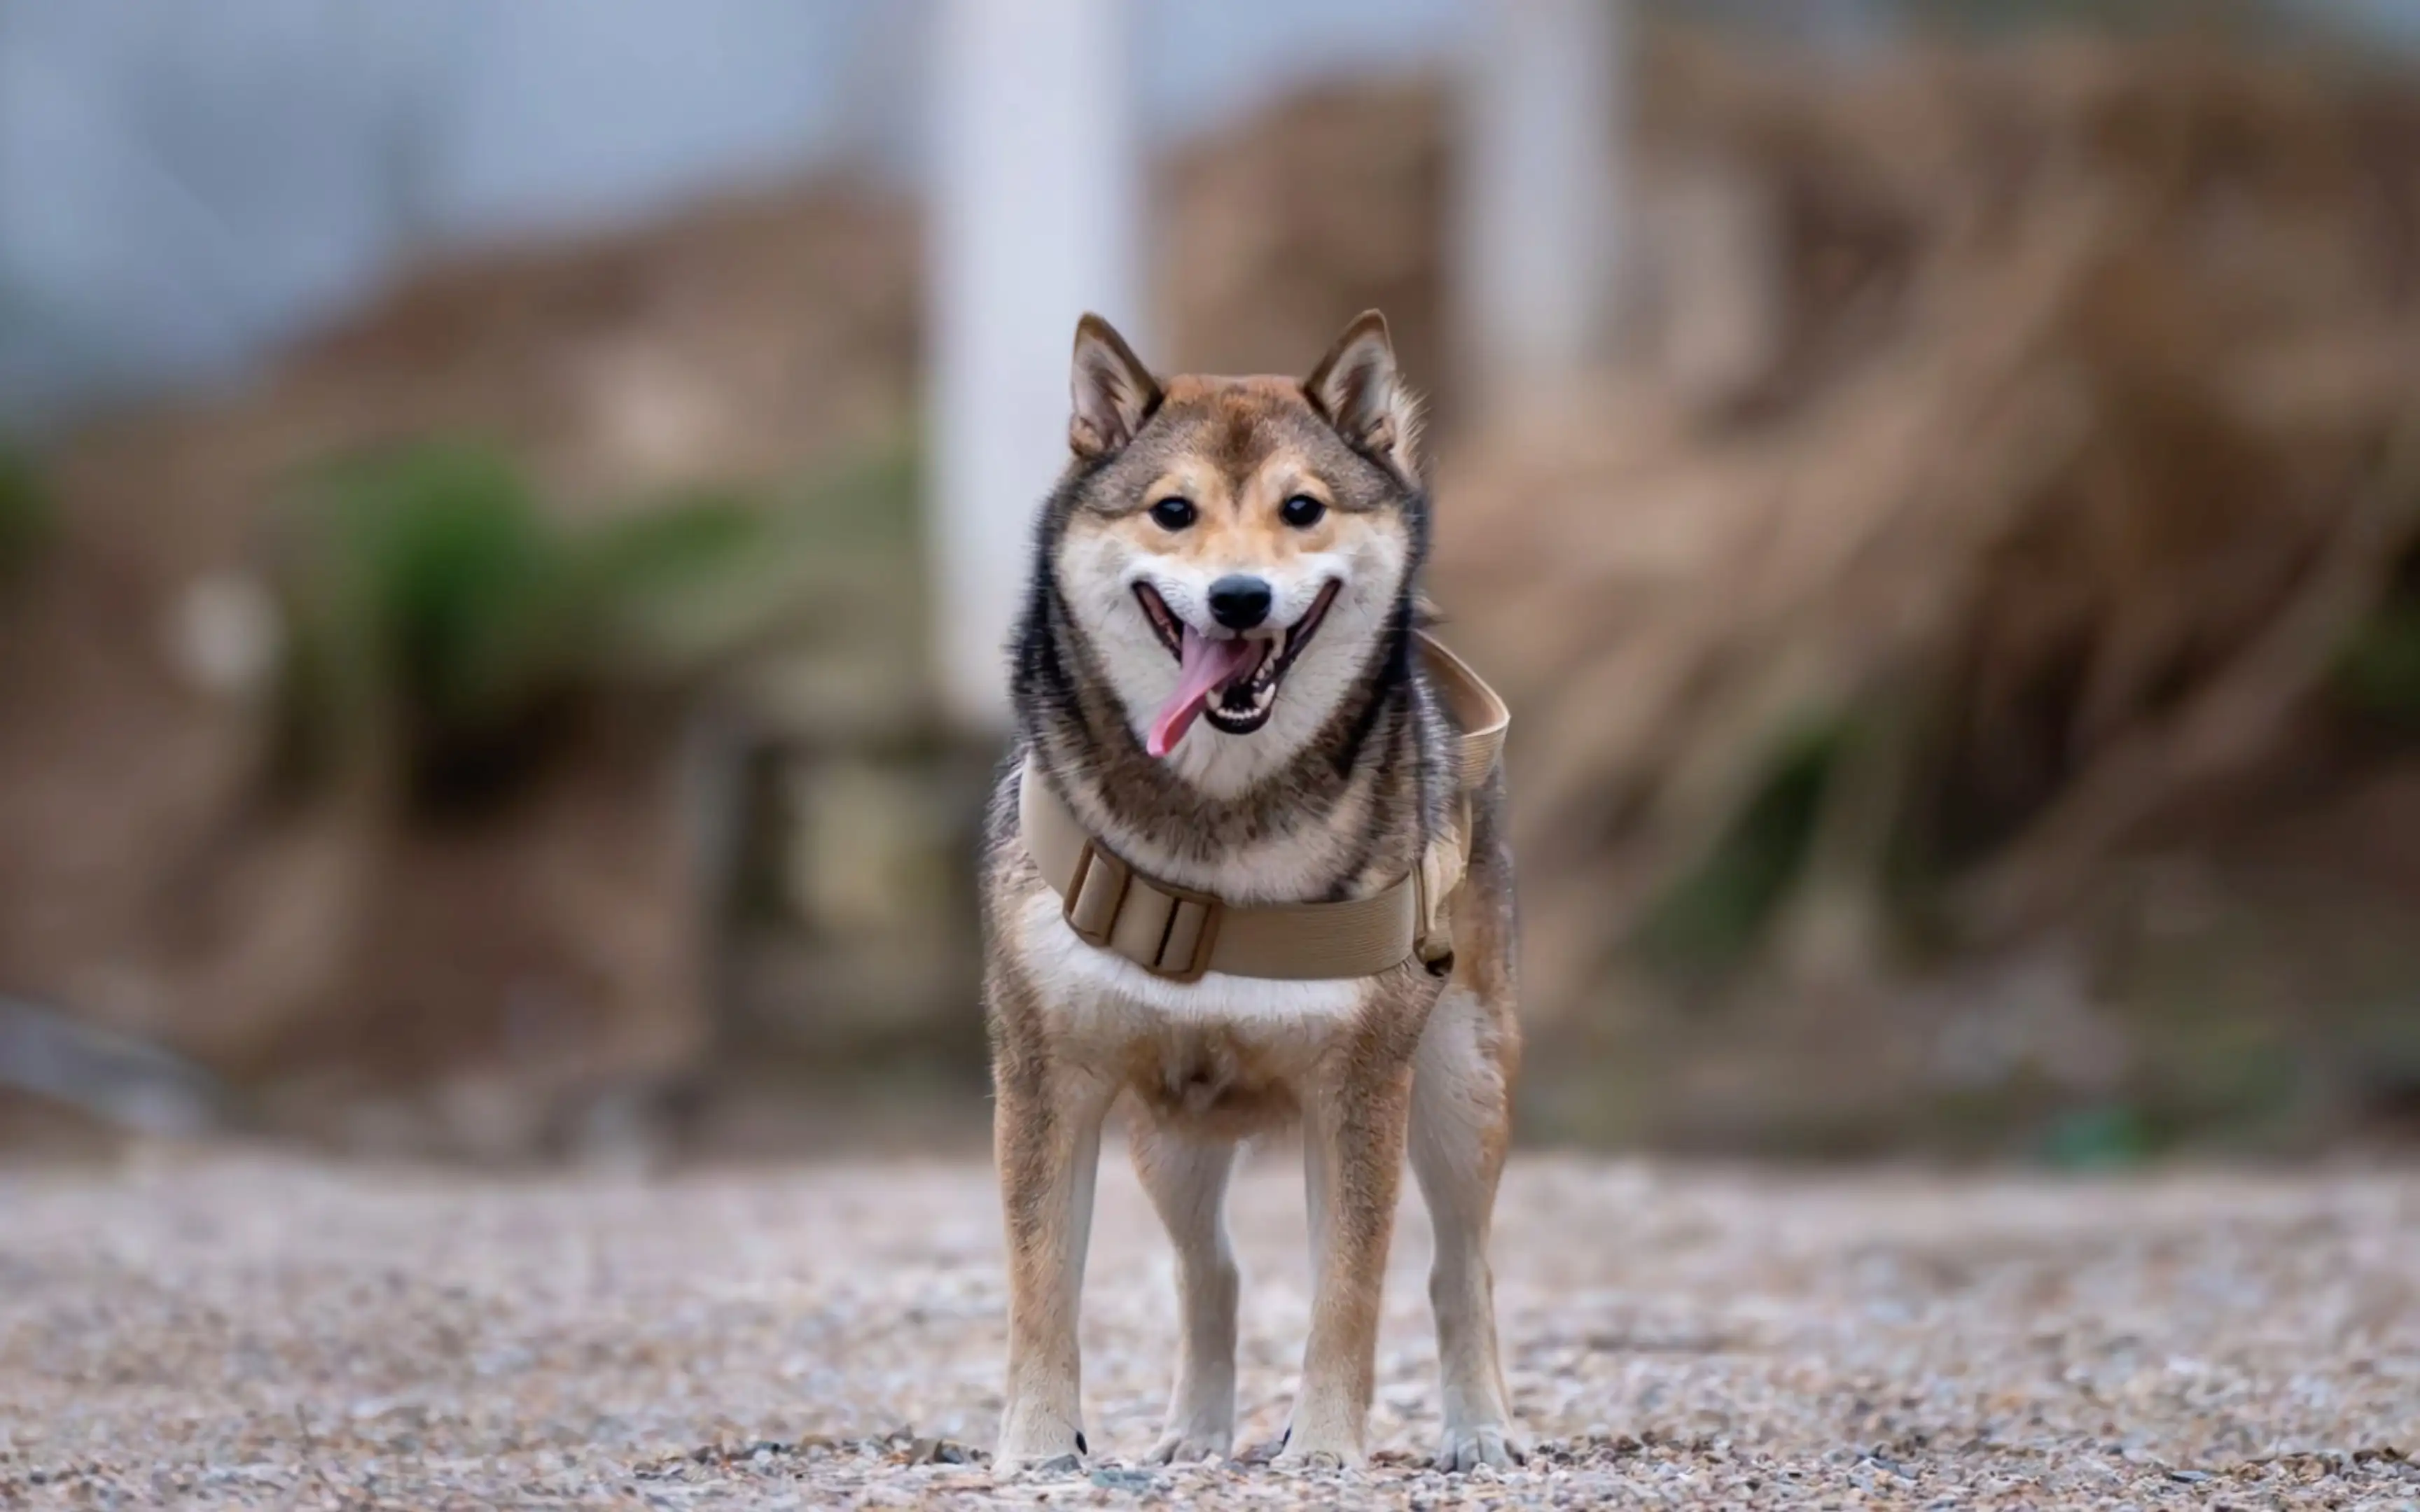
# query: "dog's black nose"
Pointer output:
{"type": "Point", "coordinates": [1239, 602]}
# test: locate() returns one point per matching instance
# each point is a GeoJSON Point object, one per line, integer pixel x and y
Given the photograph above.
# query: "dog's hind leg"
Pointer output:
{"type": "Point", "coordinates": [1461, 1123]}
{"type": "Point", "coordinates": [1352, 1157]}
{"type": "Point", "coordinates": [1187, 1183]}
{"type": "Point", "coordinates": [1046, 1128]}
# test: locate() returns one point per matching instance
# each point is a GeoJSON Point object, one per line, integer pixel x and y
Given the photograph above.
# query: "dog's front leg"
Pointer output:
{"type": "Point", "coordinates": [1187, 1183]}
{"type": "Point", "coordinates": [1353, 1159]}
{"type": "Point", "coordinates": [1461, 1124]}
{"type": "Point", "coordinates": [1047, 1135]}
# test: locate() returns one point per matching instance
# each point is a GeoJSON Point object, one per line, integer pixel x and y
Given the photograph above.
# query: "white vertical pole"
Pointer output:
{"type": "Point", "coordinates": [1034, 222]}
{"type": "Point", "coordinates": [1539, 192]}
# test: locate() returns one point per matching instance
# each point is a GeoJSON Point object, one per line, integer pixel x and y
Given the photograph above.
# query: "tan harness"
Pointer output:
{"type": "Point", "coordinates": [1180, 935]}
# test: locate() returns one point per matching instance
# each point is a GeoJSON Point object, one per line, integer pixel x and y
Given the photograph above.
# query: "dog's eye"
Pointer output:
{"type": "Point", "coordinates": [1302, 512]}
{"type": "Point", "coordinates": [1173, 514]}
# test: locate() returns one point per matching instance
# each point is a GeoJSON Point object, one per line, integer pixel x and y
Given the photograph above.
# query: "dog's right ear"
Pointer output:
{"type": "Point", "coordinates": [1114, 394]}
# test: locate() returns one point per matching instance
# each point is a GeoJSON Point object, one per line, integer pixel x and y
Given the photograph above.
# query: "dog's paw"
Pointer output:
{"type": "Point", "coordinates": [1189, 1446]}
{"type": "Point", "coordinates": [1293, 1459]}
{"type": "Point", "coordinates": [1065, 1464]}
{"type": "Point", "coordinates": [1469, 1445]}
{"type": "Point", "coordinates": [1298, 1450]}
{"type": "Point", "coordinates": [1039, 1454]}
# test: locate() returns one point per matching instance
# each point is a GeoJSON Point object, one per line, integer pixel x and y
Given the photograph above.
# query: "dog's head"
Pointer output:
{"type": "Point", "coordinates": [1238, 551]}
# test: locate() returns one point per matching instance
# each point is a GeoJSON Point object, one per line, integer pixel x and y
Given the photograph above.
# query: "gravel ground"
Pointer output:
{"type": "Point", "coordinates": [220, 1330]}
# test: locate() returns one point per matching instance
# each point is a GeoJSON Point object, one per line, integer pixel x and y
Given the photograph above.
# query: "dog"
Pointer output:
{"type": "Point", "coordinates": [1246, 866]}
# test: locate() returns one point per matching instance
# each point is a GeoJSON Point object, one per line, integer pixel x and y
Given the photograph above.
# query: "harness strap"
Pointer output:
{"type": "Point", "coordinates": [1179, 935]}
{"type": "Point", "coordinates": [1482, 714]}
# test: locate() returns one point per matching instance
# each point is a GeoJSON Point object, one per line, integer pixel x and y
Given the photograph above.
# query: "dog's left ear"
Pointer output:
{"type": "Point", "coordinates": [1356, 387]}
{"type": "Point", "coordinates": [1113, 392]}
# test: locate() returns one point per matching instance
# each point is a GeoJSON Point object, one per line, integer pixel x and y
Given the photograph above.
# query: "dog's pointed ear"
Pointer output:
{"type": "Point", "coordinates": [1356, 387]}
{"type": "Point", "coordinates": [1114, 394]}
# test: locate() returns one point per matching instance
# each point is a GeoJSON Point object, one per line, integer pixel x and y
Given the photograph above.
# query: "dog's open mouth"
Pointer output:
{"type": "Point", "coordinates": [1232, 683]}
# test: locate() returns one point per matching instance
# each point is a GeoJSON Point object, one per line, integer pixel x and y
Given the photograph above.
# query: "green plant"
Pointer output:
{"type": "Point", "coordinates": [2108, 1136]}
{"type": "Point", "coordinates": [2378, 672]}
{"type": "Point", "coordinates": [1714, 918]}
{"type": "Point", "coordinates": [440, 620]}
{"type": "Point", "coordinates": [26, 520]}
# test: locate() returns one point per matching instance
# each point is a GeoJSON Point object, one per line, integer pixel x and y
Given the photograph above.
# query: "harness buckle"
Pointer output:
{"type": "Point", "coordinates": [1168, 931]}
{"type": "Point", "coordinates": [1433, 931]}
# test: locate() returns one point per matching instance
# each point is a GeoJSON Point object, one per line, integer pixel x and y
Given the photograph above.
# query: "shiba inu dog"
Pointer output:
{"type": "Point", "coordinates": [1246, 867]}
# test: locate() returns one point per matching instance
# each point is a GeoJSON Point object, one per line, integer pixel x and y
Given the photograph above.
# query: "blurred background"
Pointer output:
{"type": "Point", "coordinates": [508, 509]}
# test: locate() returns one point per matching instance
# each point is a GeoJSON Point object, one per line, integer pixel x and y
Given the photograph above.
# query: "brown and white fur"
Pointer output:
{"type": "Point", "coordinates": [1331, 797]}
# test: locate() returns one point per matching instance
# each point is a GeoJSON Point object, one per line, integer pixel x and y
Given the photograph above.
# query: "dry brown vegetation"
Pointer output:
{"type": "Point", "coordinates": [1965, 658]}
{"type": "Point", "coordinates": [2056, 515]}
{"type": "Point", "coordinates": [1990, 569]}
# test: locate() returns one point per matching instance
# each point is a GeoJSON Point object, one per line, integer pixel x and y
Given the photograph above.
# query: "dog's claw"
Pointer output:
{"type": "Point", "coordinates": [1310, 1460]}
{"type": "Point", "coordinates": [1468, 1448]}
{"type": "Point", "coordinates": [1187, 1448]}
{"type": "Point", "coordinates": [1027, 1449]}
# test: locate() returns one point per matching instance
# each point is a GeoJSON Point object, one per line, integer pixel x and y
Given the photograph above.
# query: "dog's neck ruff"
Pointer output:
{"type": "Point", "coordinates": [1181, 936]}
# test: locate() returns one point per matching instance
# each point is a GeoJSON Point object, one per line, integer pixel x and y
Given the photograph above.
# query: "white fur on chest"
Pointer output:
{"type": "Point", "coordinates": [1099, 995]}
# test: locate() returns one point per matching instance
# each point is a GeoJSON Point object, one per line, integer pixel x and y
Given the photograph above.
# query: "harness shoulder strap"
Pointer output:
{"type": "Point", "coordinates": [1476, 707]}
{"type": "Point", "coordinates": [1483, 718]}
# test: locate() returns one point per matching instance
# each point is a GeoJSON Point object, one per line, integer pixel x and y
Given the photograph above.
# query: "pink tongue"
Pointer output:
{"type": "Point", "coordinates": [1204, 668]}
